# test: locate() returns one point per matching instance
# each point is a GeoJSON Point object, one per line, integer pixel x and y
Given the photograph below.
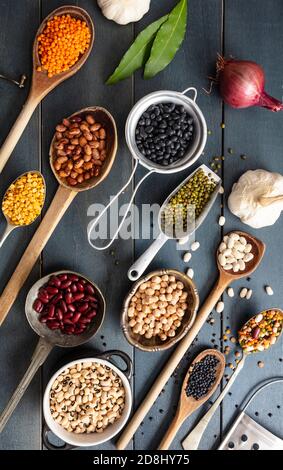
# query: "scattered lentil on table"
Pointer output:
{"type": "Point", "coordinates": [61, 44]}
{"type": "Point", "coordinates": [24, 199]}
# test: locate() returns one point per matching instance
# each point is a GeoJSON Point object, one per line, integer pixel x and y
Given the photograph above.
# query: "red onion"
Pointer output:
{"type": "Point", "coordinates": [241, 84]}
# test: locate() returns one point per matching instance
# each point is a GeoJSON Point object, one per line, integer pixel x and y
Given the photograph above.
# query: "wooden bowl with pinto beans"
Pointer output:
{"type": "Point", "coordinates": [159, 310]}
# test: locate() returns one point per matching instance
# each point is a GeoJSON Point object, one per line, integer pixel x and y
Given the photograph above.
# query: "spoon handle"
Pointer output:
{"type": "Point", "coordinates": [172, 363]}
{"type": "Point", "coordinates": [57, 208]}
{"type": "Point", "coordinates": [140, 265]}
{"type": "Point", "coordinates": [41, 352]}
{"type": "Point", "coordinates": [17, 129]}
{"type": "Point", "coordinates": [9, 228]}
{"type": "Point", "coordinates": [174, 427]}
{"type": "Point", "coordinates": [191, 442]}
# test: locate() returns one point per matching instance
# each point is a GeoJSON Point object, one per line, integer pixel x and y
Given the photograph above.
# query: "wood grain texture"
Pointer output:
{"type": "Point", "coordinates": [252, 30]}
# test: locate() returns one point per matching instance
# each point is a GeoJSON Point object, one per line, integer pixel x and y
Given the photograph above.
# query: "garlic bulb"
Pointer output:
{"type": "Point", "coordinates": [124, 11]}
{"type": "Point", "coordinates": [244, 200]}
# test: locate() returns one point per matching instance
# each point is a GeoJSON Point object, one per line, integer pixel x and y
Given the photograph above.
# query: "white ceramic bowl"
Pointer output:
{"type": "Point", "coordinates": [92, 439]}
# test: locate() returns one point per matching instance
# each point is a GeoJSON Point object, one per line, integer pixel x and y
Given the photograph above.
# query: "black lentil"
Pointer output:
{"type": "Point", "coordinates": [202, 377]}
{"type": "Point", "coordinates": [164, 133]}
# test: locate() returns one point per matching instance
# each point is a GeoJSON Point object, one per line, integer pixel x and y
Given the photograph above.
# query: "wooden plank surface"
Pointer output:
{"type": "Point", "coordinates": [254, 132]}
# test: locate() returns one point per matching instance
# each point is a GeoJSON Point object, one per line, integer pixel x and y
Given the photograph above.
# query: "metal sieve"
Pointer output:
{"type": "Point", "coordinates": [194, 150]}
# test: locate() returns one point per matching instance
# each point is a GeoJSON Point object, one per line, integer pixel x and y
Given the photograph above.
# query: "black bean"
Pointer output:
{"type": "Point", "coordinates": [147, 122]}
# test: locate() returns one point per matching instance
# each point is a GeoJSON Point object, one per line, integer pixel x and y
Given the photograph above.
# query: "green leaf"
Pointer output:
{"type": "Point", "coordinates": [167, 40]}
{"type": "Point", "coordinates": [137, 54]}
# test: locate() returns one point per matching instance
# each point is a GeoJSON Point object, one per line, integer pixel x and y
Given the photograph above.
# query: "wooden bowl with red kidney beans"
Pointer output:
{"type": "Point", "coordinates": [67, 305]}
{"type": "Point", "coordinates": [83, 148]}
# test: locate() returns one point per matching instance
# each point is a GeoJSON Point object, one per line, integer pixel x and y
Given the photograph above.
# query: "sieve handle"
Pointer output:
{"type": "Point", "coordinates": [139, 266]}
{"type": "Point", "coordinates": [191, 88]}
{"type": "Point", "coordinates": [94, 223]}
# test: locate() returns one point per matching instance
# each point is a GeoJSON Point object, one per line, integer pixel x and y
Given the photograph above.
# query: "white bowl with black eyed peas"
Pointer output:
{"type": "Point", "coordinates": [87, 401]}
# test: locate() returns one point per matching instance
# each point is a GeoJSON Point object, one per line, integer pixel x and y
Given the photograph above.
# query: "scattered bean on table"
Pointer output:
{"type": "Point", "coordinates": [87, 398]}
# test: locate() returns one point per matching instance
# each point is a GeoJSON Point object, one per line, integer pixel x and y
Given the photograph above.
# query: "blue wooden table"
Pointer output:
{"type": "Point", "coordinates": [247, 30]}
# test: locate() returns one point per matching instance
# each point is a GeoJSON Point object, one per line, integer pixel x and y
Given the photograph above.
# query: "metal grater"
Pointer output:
{"type": "Point", "coordinates": [247, 434]}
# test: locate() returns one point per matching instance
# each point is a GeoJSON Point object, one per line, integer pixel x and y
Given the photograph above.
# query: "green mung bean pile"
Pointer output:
{"type": "Point", "coordinates": [188, 203]}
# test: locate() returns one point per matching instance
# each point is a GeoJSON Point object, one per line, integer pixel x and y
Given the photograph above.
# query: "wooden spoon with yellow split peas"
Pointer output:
{"type": "Point", "coordinates": [23, 201]}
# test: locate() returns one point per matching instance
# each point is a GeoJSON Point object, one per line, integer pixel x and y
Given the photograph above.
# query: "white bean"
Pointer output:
{"type": "Point", "coordinates": [221, 220]}
{"type": "Point", "coordinates": [269, 290]}
{"type": "Point", "coordinates": [230, 292]}
{"type": "Point", "coordinates": [195, 246]}
{"type": "Point", "coordinates": [219, 307]}
{"type": "Point", "coordinates": [190, 273]}
{"type": "Point", "coordinates": [187, 256]}
{"type": "Point", "coordinates": [249, 294]}
{"type": "Point", "coordinates": [243, 292]}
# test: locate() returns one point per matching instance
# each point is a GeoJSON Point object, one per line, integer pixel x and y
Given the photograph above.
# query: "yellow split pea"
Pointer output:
{"type": "Point", "coordinates": [24, 199]}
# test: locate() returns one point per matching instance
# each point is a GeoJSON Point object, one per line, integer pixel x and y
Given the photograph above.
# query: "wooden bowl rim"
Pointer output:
{"type": "Point", "coordinates": [172, 341]}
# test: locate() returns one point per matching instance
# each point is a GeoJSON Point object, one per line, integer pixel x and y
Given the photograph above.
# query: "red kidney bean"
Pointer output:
{"type": "Point", "coordinates": [84, 320]}
{"type": "Point", "coordinates": [73, 277]}
{"type": "Point", "coordinates": [68, 315]}
{"type": "Point", "coordinates": [68, 321]}
{"type": "Point", "coordinates": [76, 317]}
{"type": "Point", "coordinates": [44, 300]}
{"type": "Point", "coordinates": [66, 284]}
{"type": "Point", "coordinates": [63, 277]}
{"type": "Point", "coordinates": [51, 311]}
{"type": "Point", "coordinates": [68, 298]}
{"type": "Point", "coordinates": [53, 324]}
{"type": "Point", "coordinates": [54, 281]}
{"type": "Point", "coordinates": [74, 288]}
{"type": "Point", "coordinates": [80, 287]}
{"type": "Point", "coordinates": [256, 332]}
{"type": "Point", "coordinates": [93, 304]}
{"type": "Point", "coordinates": [90, 298]}
{"type": "Point", "coordinates": [56, 299]}
{"type": "Point", "coordinates": [59, 313]}
{"type": "Point", "coordinates": [63, 306]}
{"type": "Point", "coordinates": [91, 314]}
{"type": "Point", "coordinates": [89, 289]}
{"type": "Point", "coordinates": [71, 308]}
{"type": "Point", "coordinates": [38, 306]}
{"type": "Point", "coordinates": [78, 296]}
{"type": "Point", "coordinates": [83, 308]}
{"type": "Point", "coordinates": [43, 318]}
{"type": "Point", "coordinates": [52, 290]}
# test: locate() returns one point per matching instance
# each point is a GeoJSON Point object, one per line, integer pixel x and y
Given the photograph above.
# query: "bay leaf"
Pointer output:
{"type": "Point", "coordinates": [167, 40]}
{"type": "Point", "coordinates": [137, 54]}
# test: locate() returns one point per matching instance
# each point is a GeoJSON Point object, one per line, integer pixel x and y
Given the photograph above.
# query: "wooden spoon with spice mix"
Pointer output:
{"type": "Point", "coordinates": [189, 404]}
{"type": "Point", "coordinates": [42, 84]}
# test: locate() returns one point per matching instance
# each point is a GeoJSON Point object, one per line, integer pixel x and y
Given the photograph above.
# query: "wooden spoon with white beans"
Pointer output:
{"type": "Point", "coordinates": [224, 279]}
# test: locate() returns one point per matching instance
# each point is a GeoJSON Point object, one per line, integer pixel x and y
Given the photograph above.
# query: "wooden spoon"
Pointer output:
{"type": "Point", "coordinates": [187, 405]}
{"type": "Point", "coordinates": [224, 279]}
{"type": "Point", "coordinates": [10, 226]}
{"type": "Point", "coordinates": [61, 201]}
{"type": "Point", "coordinates": [41, 83]}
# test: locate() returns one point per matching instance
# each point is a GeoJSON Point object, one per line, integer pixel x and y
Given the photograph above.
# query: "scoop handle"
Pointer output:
{"type": "Point", "coordinates": [41, 352]}
{"type": "Point", "coordinates": [57, 208]}
{"type": "Point", "coordinates": [139, 266]}
{"type": "Point", "coordinates": [191, 442]}
{"type": "Point", "coordinates": [17, 129]}
{"type": "Point", "coordinates": [172, 363]}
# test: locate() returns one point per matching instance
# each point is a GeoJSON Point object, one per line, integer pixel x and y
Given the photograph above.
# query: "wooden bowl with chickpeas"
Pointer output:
{"type": "Point", "coordinates": [159, 310]}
